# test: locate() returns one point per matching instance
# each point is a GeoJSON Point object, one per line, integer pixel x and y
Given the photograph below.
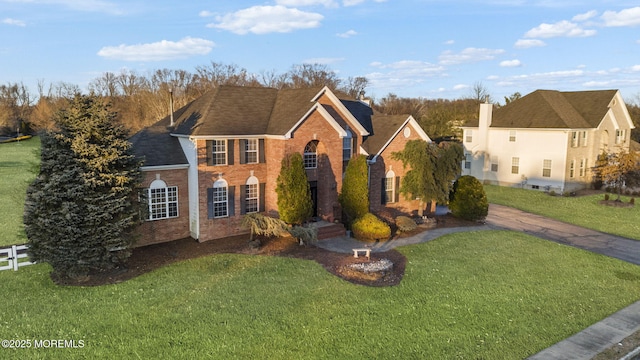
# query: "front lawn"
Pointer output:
{"type": "Point", "coordinates": [581, 210]}
{"type": "Point", "coordinates": [17, 161]}
{"type": "Point", "coordinates": [476, 295]}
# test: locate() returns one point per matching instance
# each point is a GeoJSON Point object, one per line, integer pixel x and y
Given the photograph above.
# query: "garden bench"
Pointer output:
{"type": "Point", "coordinates": [366, 251]}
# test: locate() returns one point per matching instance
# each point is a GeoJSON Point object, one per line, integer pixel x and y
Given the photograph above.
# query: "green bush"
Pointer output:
{"type": "Point", "coordinates": [369, 228]}
{"type": "Point", "coordinates": [354, 197]}
{"type": "Point", "coordinates": [405, 224]}
{"type": "Point", "coordinates": [469, 199]}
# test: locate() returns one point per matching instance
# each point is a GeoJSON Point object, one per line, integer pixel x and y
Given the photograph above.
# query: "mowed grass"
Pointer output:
{"type": "Point", "coordinates": [582, 210]}
{"type": "Point", "coordinates": [477, 295]}
{"type": "Point", "coordinates": [17, 161]}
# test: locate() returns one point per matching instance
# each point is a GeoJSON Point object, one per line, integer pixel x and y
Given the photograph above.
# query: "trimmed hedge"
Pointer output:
{"type": "Point", "coordinates": [405, 223]}
{"type": "Point", "coordinates": [369, 228]}
{"type": "Point", "coordinates": [469, 201]}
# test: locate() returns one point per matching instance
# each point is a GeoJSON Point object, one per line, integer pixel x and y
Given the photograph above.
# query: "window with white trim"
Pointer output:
{"type": "Point", "coordinates": [494, 163]}
{"type": "Point", "coordinates": [347, 142]}
{"type": "Point", "coordinates": [583, 138]}
{"type": "Point", "coordinates": [468, 137]}
{"type": "Point", "coordinates": [515, 165]}
{"type": "Point", "coordinates": [512, 136]}
{"type": "Point", "coordinates": [220, 199]}
{"type": "Point", "coordinates": [621, 136]}
{"type": "Point", "coordinates": [219, 152]}
{"type": "Point", "coordinates": [467, 161]}
{"type": "Point", "coordinates": [162, 200]}
{"type": "Point", "coordinates": [311, 155]}
{"type": "Point", "coordinates": [252, 195]}
{"type": "Point", "coordinates": [583, 167]}
{"type": "Point", "coordinates": [572, 168]}
{"type": "Point", "coordinates": [251, 151]}
{"type": "Point", "coordinates": [546, 168]}
{"type": "Point", "coordinates": [389, 187]}
{"type": "Point", "coordinates": [575, 139]}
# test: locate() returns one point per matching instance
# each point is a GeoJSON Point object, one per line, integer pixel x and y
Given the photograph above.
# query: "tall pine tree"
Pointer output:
{"type": "Point", "coordinates": [81, 208]}
{"type": "Point", "coordinates": [294, 196]}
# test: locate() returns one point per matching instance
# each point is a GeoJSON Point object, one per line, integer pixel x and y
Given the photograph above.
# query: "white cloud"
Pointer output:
{"type": "Point", "coordinates": [449, 42]}
{"type": "Point", "coordinates": [626, 17]}
{"type": "Point", "coordinates": [267, 19]}
{"type": "Point", "coordinates": [206, 13]}
{"type": "Point", "coordinates": [81, 5]}
{"type": "Point", "coordinates": [586, 16]}
{"type": "Point", "coordinates": [402, 74]}
{"type": "Point", "coordinates": [511, 63]}
{"type": "Point", "coordinates": [461, 87]}
{"type": "Point", "coordinates": [528, 43]}
{"type": "Point", "coordinates": [635, 68]}
{"type": "Point", "coordinates": [347, 34]}
{"type": "Point", "coordinates": [468, 55]}
{"type": "Point", "coordinates": [352, 2]}
{"type": "Point", "coordinates": [14, 22]}
{"type": "Point", "coordinates": [562, 28]}
{"type": "Point", "coordinates": [162, 50]}
{"type": "Point", "coordinates": [299, 3]}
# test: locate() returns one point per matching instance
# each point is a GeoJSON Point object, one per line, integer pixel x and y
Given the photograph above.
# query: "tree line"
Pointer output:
{"type": "Point", "coordinates": [139, 99]}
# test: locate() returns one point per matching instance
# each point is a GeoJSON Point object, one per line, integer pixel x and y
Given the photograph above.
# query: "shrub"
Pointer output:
{"type": "Point", "coordinates": [354, 197]}
{"type": "Point", "coordinates": [369, 228]}
{"type": "Point", "coordinates": [405, 224]}
{"type": "Point", "coordinates": [606, 197]}
{"type": "Point", "coordinates": [305, 235]}
{"type": "Point", "coordinates": [632, 201]}
{"type": "Point", "coordinates": [294, 195]}
{"type": "Point", "coordinates": [469, 199]}
{"type": "Point", "coordinates": [263, 225]}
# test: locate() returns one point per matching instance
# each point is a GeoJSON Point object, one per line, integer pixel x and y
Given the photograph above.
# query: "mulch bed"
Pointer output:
{"type": "Point", "coordinates": [148, 258]}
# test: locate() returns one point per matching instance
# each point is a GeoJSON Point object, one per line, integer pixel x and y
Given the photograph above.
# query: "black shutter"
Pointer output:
{"type": "Point", "coordinates": [383, 193]}
{"type": "Point", "coordinates": [243, 199]}
{"type": "Point", "coordinates": [210, 203]}
{"type": "Point", "coordinates": [230, 152]}
{"type": "Point", "coordinates": [397, 189]}
{"type": "Point", "coordinates": [263, 187]}
{"type": "Point", "coordinates": [209, 152]}
{"type": "Point", "coordinates": [231, 199]}
{"type": "Point", "coordinates": [261, 155]}
{"type": "Point", "coordinates": [243, 152]}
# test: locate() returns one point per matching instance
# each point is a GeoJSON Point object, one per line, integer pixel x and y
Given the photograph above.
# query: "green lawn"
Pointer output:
{"type": "Point", "coordinates": [17, 159]}
{"type": "Point", "coordinates": [480, 295]}
{"type": "Point", "coordinates": [582, 210]}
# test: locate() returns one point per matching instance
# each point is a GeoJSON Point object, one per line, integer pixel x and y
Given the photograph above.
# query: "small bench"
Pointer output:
{"type": "Point", "coordinates": [366, 251]}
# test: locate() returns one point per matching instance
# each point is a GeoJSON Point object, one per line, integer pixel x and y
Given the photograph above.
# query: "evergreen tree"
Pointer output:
{"type": "Point", "coordinates": [294, 195]}
{"type": "Point", "coordinates": [80, 208]}
{"type": "Point", "coordinates": [354, 197]}
{"type": "Point", "coordinates": [469, 201]}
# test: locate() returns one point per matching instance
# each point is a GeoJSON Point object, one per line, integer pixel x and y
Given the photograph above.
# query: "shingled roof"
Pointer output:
{"type": "Point", "coordinates": [554, 109]}
{"type": "Point", "coordinates": [156, 147]}
{"type": "Point", "coordinates": [385, 126]}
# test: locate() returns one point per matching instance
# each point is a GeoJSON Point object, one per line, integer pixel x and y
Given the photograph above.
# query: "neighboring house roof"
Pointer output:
{"type": "Point", "coordinates": [156, 147]}
{"type": "Point", "coordinates": [554, 109]}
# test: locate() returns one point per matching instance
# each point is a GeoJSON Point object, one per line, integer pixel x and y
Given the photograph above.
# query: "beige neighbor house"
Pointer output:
{"type": "Point", "coordinates": [218, 158]}
{"type": "Point", "coordinates": [546, 140]}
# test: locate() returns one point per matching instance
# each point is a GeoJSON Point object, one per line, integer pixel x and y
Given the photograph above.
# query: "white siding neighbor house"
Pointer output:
{"type": "Point", "coordinates": [546, 140]}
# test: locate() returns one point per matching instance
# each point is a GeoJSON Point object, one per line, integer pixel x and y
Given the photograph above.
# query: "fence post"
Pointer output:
{"type": "Point", "coordinates": [15, 257]}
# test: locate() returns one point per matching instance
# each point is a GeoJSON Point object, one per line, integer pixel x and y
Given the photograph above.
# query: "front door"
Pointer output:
{"type": "Point", "coordinates": [313, 186]}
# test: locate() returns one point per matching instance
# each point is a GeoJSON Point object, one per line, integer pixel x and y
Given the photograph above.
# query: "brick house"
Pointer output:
{"type": "Point", "coordinates": [218, 157]}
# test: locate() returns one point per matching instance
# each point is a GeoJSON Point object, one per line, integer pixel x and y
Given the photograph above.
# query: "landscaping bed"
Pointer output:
{"type": "Point", "coordinates": [148, 258]}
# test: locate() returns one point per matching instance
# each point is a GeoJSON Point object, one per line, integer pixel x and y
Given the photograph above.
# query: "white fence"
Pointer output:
{"type": "Point", "coordinates": [14, 257]}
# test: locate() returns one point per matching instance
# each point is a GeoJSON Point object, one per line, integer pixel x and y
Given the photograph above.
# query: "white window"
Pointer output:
{"type": "Point", "coordinates": [311, 155]}
{"type": "Point", "coordinates": [219, 152]}
{"type": "Point", "coordinates": [512, 135]}
{"type": "Point", "coordinates": [494, 163]}
{"type": "Point", "coordinates": [546, 168]}
{"type": "Point", "coordinates": [251, 151]}
{"type": "Point", "coordinates": [220, 199]}
{"type": "Point", "coordinates": [389, 187]}
{"type": "Point", "coordinates": [620, 136]}
{"type": "Point", "coordinates": [468, 136]}
{"type": "Point", "coordinates": [575, 139]}
{"type": "Point", "coordinates": [583, 167]}
{"type": "Point", "coordinates": [162, 200]}
{"type": "Point", "coordinates": [347, 142]}
{"type": "Point", "coordinates": [583, 138]}
{"type": "Point", "coordinates": [467, 161]}
{"type": "Point", "coordinates": [515, 165]}
{"type": "Point", "coordinates": [572, 168]}
{"type": "Point", "coordinates": [252, 195]}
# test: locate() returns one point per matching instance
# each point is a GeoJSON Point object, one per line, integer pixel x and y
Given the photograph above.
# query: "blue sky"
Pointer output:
{"type": "Point", "coordinates": [412, 48]}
